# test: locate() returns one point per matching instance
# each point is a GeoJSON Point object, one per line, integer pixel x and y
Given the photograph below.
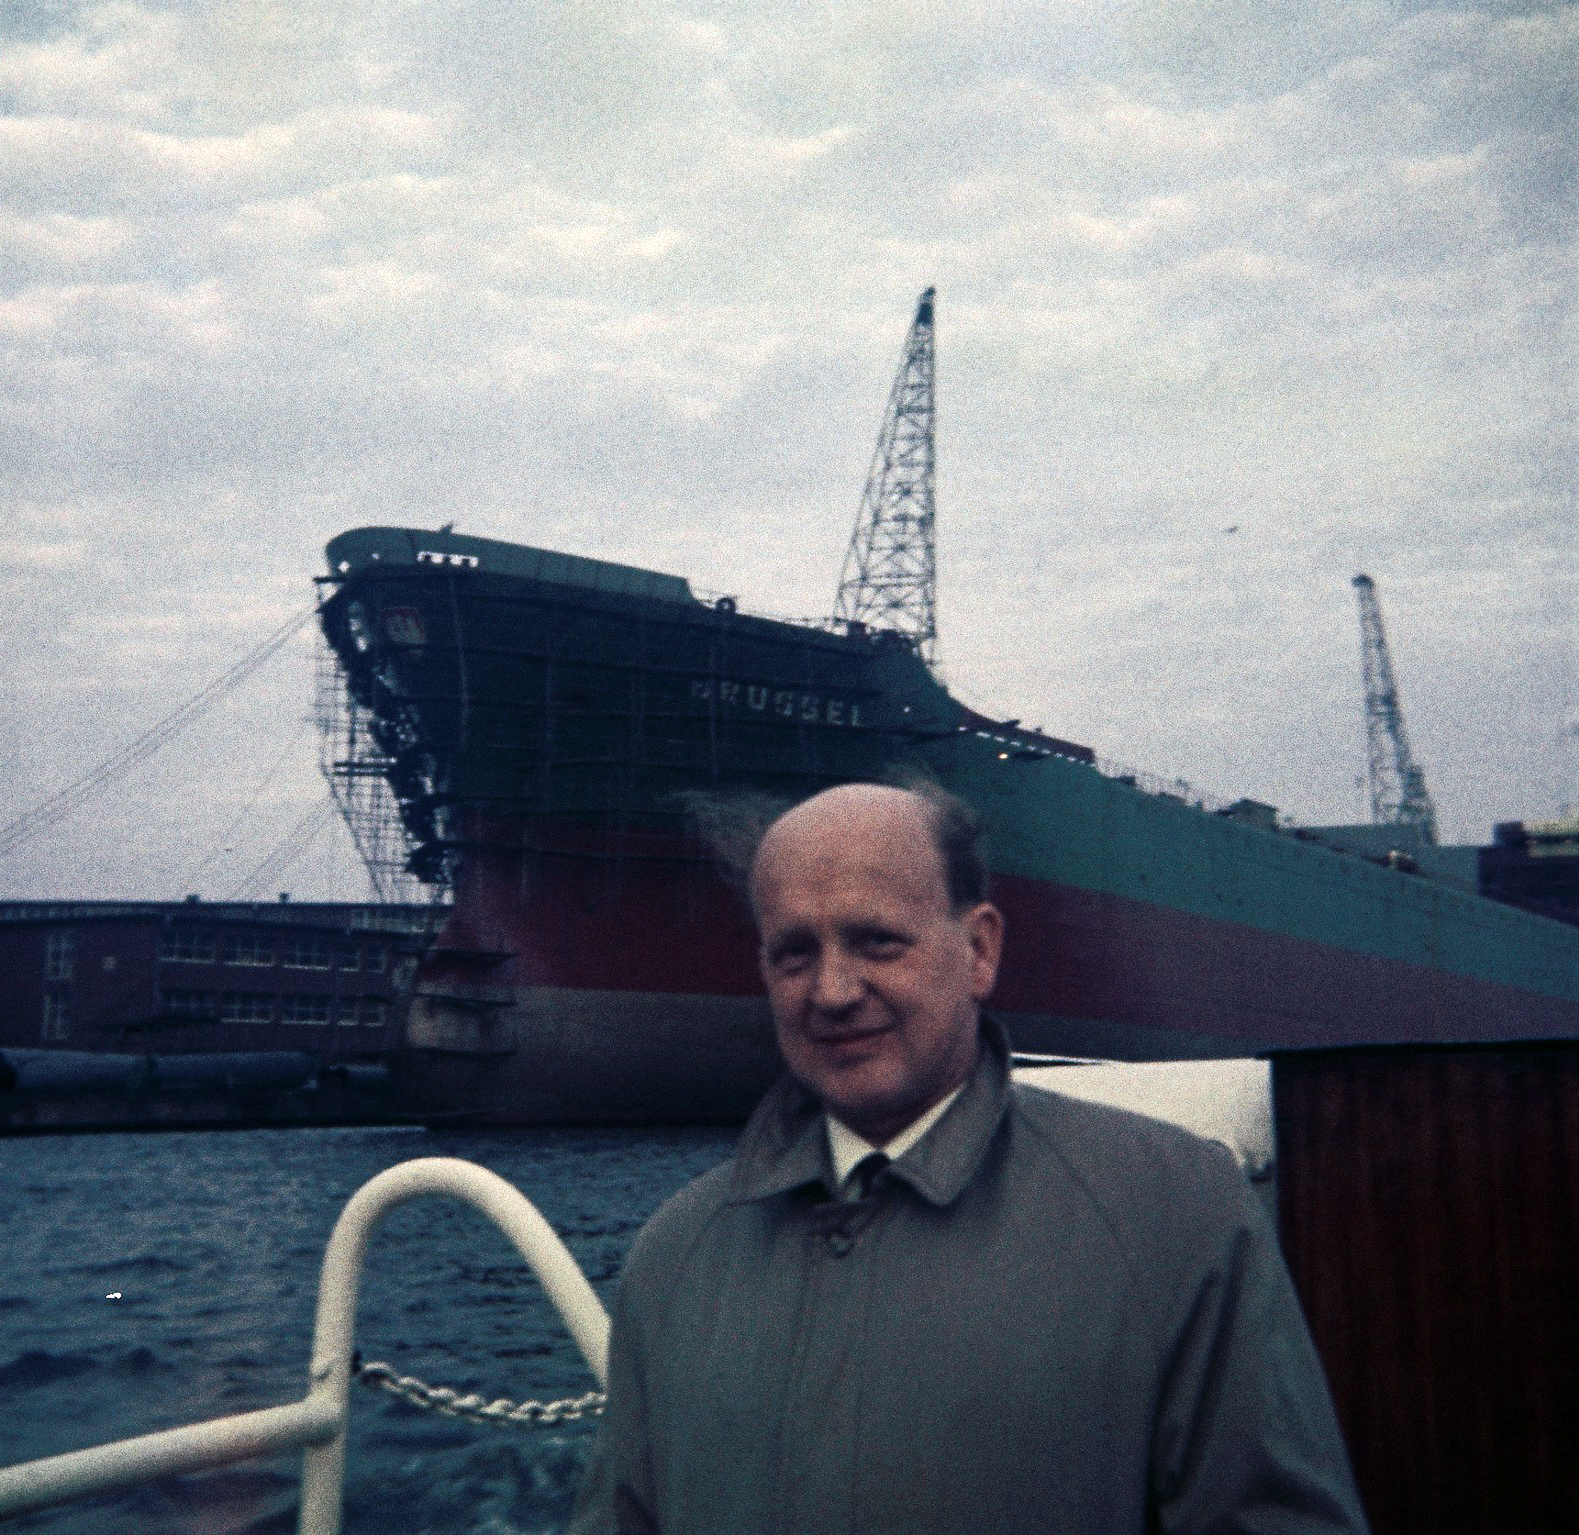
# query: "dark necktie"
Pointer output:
{"type": "Point", "coordinates": [864, 1175]}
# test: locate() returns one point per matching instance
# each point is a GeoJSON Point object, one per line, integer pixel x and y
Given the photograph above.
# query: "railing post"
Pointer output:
{"type": "Point", "coordinates": [323, 1465]}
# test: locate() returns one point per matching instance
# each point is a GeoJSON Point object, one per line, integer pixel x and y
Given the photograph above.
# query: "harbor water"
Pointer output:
{"type": "Point", "coordinates": [152, 1280]}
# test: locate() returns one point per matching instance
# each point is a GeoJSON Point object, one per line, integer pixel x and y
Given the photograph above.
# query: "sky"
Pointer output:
{"type": "Point", "coordinates": [1234, 302]}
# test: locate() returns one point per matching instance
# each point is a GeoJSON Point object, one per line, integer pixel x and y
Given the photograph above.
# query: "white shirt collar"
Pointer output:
{"type": "Point", "coordinates": [846, 1148]}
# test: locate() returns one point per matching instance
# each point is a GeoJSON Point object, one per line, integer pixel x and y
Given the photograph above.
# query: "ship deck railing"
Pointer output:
{"type": "Point", "coordinates": [317, 1423]}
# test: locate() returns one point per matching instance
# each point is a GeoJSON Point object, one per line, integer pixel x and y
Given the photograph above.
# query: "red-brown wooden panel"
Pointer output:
{"type": "Point", "coordinates": [1429, 1206]}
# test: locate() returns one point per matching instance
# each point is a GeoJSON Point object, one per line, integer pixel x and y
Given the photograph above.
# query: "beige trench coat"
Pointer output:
{"type": "Point", "coordinates": [1051, 1316]}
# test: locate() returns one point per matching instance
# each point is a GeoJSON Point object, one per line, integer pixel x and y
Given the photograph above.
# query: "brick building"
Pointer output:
{"type": "Point", "coordinates": [194, 977]}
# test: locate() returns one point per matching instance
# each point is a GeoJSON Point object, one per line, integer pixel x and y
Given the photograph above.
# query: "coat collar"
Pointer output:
{"type": "Point", "coordinates": [784, 1146]}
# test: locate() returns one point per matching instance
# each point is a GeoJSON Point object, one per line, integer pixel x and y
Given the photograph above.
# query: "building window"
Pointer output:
{"type": "Point", "coordinates": [57, 1015]}
{"type": "Point", "coordinates": [350, 957]}
{"type": "Point", "coordinates": [375, 959]}
{"type": "Point", "coordinates": [374, 1014]}
{"type": "Point", "coordinates": [248, 949]}
{"type": "Point", "coordinates": [307, 951]}
{"type": "Point", "coordinates": [304, 1009]}
{"type": "Point", "coordinates": [246, 1007]}
{"type": "Point", "coordinates": [188, 945]}
{"type": "Point", "coordinates": [60, 955]}
{"type": "Point", "coordinates": [345, 1010]}
{"type": "Point", "coordinates": [191, 1004]}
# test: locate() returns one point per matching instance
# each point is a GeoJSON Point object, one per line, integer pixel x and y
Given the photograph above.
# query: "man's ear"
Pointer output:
{"type": "Point", "coordinates": [984, 928]}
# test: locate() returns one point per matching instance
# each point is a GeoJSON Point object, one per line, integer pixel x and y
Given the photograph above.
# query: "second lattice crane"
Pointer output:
{"type": "Point", "coordinates": [1397, 782]}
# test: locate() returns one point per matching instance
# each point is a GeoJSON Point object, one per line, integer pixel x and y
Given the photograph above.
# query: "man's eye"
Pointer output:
{"type": "Point", "coordinates": [787, 961]}
{"type": "Point", "coordinates": [882, 946]}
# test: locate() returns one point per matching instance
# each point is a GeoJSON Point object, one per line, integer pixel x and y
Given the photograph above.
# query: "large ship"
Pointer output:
{"type": "Point", "coordinates": [563, 739]}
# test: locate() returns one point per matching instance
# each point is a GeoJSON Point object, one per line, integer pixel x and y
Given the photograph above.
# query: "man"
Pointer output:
{"type": "Point", "coordinates": [1036, 1314]}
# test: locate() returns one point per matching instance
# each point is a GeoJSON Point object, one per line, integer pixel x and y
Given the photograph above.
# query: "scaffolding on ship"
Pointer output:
{"type": "Point", "coordinates": [356, 770]}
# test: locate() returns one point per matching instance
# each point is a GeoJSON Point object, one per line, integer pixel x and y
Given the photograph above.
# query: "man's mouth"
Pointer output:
{"type": "Point", "coordinates": [850, 1041]}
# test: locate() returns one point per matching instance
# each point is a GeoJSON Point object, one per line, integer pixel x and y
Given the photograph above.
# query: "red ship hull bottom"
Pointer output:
{"type": "Point", "coordinates": [572, 989]}
{"type": "Point", "coordinates": [1120, 978]}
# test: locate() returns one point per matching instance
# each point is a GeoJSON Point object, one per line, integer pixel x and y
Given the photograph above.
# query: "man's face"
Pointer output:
{"type": "Point", "coordinates": [874, 981]}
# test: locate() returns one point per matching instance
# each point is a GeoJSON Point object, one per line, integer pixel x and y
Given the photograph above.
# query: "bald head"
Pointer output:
{"type": "Point", "coordinates": [886, 814]}
{"type": "Point", "coordinates": [893, 828]}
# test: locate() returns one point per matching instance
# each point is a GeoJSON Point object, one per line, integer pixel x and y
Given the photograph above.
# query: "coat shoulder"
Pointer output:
{"type": "Point", "coordinates": [677, 1225]}
{"type": "Point", "coordinates": [1152, 1183]}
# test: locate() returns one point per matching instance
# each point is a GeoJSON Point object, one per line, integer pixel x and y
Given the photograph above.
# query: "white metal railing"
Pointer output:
{"type": "Point", "coordinates": [317, 1423]}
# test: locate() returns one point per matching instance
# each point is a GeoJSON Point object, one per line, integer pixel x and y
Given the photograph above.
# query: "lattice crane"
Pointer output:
{"type": "Point", "coordinates": [889, 579]}
{"type": "Point", "coordinates": [1397, 783]}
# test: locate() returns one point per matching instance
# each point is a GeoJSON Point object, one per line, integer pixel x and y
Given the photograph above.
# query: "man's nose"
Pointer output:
{"type": "Point", "coordinates": [837, 986]}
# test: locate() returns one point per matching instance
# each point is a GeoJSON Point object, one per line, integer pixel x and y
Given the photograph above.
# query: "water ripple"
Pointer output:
{"type": "Point", "coordinates": [39, 1367]}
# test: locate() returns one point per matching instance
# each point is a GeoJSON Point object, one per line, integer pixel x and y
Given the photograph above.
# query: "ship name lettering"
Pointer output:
{"type": "Point", "coordinates": [787, 703]}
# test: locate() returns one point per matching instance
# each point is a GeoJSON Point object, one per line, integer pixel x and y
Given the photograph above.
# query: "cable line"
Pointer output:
{"type": "Point", "coordinates": [219, 849]}
{"type": "Point", "coordinates": [286, 851]}
{"type": "Point", "coordinates": [75, 795]}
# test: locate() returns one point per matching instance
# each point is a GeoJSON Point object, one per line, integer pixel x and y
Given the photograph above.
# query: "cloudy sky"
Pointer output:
{"type": "Point", "coordinates": [631, 279]}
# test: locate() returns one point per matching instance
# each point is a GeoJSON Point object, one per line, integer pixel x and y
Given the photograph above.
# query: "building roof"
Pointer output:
{"type": "Point", "coordinates": [373, 916]}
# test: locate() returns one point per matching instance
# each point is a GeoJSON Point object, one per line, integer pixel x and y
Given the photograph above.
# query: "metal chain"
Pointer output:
{"type": "Point", "coordinates": [454, 1404]}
